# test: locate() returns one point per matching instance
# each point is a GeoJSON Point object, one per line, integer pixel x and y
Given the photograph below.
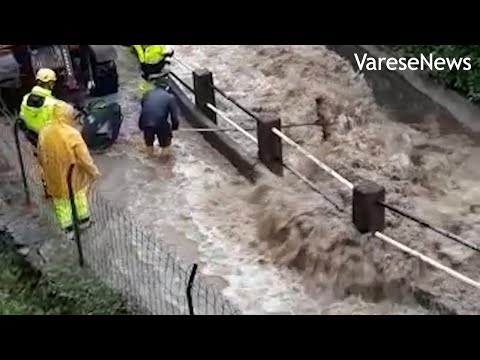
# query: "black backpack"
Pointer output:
{"type": "Point", "coordinates": [101, 124]}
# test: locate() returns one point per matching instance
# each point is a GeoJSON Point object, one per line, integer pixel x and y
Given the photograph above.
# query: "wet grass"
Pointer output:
{"type": "Point", "coordinates": [24, 291]}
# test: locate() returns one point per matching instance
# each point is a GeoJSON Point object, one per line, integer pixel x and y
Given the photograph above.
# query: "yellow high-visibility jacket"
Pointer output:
{"type": "Point", "coordinates": [59, 146]}
{"type": "Point", "coordinates": [151, 54]}
{"type": "Point", "coordinates": [152, 59]}
{"type": "Point", "coordinates": [37, 107]}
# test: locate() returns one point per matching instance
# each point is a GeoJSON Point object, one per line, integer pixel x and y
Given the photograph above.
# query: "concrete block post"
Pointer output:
{"type": "Point", "coordinates": [368, 215]}
{"type": "Point", "coordinates": [269, 144]}
{"type": "Point", "coordinates": [204, 92]}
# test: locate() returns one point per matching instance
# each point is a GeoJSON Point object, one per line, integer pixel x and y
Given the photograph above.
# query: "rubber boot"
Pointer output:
{"type": "Point", "coordinates": [148, 150]}
{"type": "Point", "coordinates": [166, 151]}
{"type": "Point", "coordinates": [69, 233]}
{"type": "Point", "coordinates": [85, 224]}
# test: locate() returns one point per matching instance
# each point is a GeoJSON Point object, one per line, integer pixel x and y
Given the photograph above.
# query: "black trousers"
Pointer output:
{"type": "Point", "coordinates": [164, 137]}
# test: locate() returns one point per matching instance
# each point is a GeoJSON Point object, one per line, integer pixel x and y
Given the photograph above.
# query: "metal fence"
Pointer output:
{"type": "Point", "coordinates": [120, 252]}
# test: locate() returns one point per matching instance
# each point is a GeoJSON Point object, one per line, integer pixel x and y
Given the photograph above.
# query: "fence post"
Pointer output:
{"type": "Point", "coordinates": [368, 214]}
{"type": "Point", "coordinates": [76, 228]}
{"type": "Point", "coordinates": [16, 129]}
{"type": "Point", "coordinates": [189, 289]}
{"type": "Point", "coordinates": [204, 92]}
{"type": "Point", "coordinates": [270, 145]}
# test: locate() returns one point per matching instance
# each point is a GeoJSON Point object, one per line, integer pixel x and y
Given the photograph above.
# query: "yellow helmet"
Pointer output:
{"type": "Point", "coordinates": [46, 75]}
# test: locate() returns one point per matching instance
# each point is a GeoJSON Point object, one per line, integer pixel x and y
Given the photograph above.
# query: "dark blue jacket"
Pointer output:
{"type": "Point", "coordinates": [158, 106]}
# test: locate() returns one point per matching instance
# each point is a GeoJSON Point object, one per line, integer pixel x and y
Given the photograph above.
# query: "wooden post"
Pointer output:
{"type": "Point", "coordinates": [269, 144]}
{"type": "Point", "coordinates": [204, 92]}
{"type": "Point", "coordinates": [368, 215]}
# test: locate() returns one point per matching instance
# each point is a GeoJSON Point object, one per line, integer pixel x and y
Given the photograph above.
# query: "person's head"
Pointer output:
{"type": "Point", "coordinates": [63, 113]}
{"type": "Point", "coordinates": [46, 78]}
{"type": "Point", "coordinates": [161, 83]}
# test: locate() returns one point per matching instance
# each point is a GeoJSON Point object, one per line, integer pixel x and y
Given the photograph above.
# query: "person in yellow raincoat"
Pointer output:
{"type": "Point", "coordinates": [59, 146]}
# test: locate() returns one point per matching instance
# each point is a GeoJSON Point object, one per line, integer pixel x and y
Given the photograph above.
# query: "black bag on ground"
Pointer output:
{"type": "Point", "coordinates": [101, 124]}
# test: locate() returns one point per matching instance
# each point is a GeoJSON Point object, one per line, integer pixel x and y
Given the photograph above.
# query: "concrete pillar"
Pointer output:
{"type": "Point", "coordinates": [204, 92]}
{"type": "Point", "coordinates": [269, 144]}
{"type": "Point", "coordinates": [368, 215]}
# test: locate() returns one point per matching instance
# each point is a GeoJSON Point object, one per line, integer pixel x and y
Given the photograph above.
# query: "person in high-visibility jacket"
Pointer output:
{"type": "Point", "coordinates": [59, 146]}
{"type": "Point", "coordinates": [153, 59]}
{"type": "Point", "coordinates": [36, 107]}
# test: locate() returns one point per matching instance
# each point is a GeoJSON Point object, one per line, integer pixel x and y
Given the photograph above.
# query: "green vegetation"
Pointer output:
{"type": "Point", "coordinates": [57, 292]}
{"type": "Point", "coordinates": [466, 83]}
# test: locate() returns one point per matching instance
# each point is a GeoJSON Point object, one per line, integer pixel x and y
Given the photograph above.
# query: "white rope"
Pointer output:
{"type": "Point", "coordinates": [231, 122]}
{"type": "Point", "coordinates": [427, 260]}
{"type": "Point", "coordinates": [302, 177]}
{"type": "Point", "coordinates": [278, 133]}
{"type": "Point", "coordinates": [181, 63]}
{"type": "Point", "coordinates": [313, 158]}
{"type": "Point", "coordinates": [191, 130]}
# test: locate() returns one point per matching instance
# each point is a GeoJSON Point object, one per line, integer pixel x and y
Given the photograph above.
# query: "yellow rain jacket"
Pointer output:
{"type": "Point", "coordinates": [59, 146]}
{"type": "Point", "coordinates": [36, 109]}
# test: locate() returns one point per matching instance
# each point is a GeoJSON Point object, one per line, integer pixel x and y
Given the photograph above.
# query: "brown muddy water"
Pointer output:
{"type": "Point", "coordinates": [431, 174]}
{"type": "Point", "coordinates": [181, 201]}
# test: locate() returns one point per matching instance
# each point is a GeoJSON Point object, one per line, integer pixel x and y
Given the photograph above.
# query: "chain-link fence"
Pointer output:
{"type": "Point", "coordinates": [121, 252]}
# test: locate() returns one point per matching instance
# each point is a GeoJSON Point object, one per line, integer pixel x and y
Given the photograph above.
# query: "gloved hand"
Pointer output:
{"type": "Point", "coordinates": [79, 109]}
{"type": "Point", "coordinates": [95, 175]}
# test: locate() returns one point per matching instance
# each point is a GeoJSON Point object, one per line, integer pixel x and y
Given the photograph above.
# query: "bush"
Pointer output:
{"type": "Point", "coordinates": [76, 293]}
{"type": "Point", "coordinates": [467, 83]}
{"type": "Point", "coordinates": [24, 291]}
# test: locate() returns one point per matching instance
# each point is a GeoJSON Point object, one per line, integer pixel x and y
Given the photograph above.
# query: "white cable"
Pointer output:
{"type": "Point", "coordinates": [313, 158]}
{"type": "Point", "coordinates": [278, 133]}
{"type": "Point", "coordinates": [427, 260]}
{"type": "Point", "coordinates": [301, 177]}
{"type": "Point", "coordinates": [231, 122]}
{"type": "Point", "coordinates": [207, 130]}
{"type": "Point", "coordinates": [183, 64]}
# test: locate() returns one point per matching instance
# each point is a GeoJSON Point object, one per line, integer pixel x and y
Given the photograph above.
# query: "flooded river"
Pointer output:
{"type": "Point", "coordinates": [277, 247]}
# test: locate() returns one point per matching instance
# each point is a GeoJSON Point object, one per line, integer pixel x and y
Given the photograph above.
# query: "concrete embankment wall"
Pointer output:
{"type": "Point", "coordinates": [247, 165]}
